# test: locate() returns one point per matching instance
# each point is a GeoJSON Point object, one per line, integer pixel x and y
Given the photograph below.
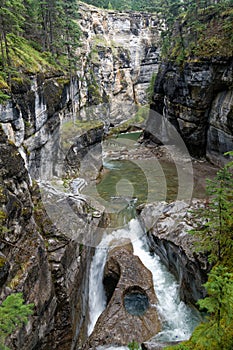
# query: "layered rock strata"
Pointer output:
{"type": "Point", "coordinates": [120, 52]}
{"type": "Point", "coordinates": [197, 100]}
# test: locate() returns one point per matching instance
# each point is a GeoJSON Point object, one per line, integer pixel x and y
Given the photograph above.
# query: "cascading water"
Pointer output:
{"type": "Point", "coordinates": [178, 319]}
{"type": "Point", "coordinates": [125, 178]}
{"type": "Point", "coordinates": [97, 299]}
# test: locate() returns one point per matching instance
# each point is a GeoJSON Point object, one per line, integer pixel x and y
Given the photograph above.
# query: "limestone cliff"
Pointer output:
{"type": "Point", "coordinates": [197, 100]}
{"type": "Point", "coordinates": [47, 265]}
{"type": "Point", "coordinates": [116, 59]}
{"type": "Point", "coordinates": [120, 52]}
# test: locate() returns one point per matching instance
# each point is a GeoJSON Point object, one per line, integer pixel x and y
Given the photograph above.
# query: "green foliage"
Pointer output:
{"type": "Point", "coordinates": [3, 97]}
{"type": "Point", "coordinates": [13, 314]}
{"type": "Point", "coordinates": [150, 89]}
{"type": "Point", "coordinates": [200, 28]}
{"type": "Point", "coordinates": [37, 35]}
{"type": "Point", "coordinates": [219, 303]}
{"type": "Point", "coordinates": [214, 231]}
{"type": "Point", "coordinates": [216, 332]}
{"type": "Point", "coordinates": [134, 345]}
{"type": "Point", "coordinates": [215, 236]}
{"type": "Point", "coordinates": [135, 5]}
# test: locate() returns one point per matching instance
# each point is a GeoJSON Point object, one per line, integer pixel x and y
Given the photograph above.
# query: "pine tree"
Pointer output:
{"type": "Point", "coordinates": [216, 333]}
{"type": "Point", "coordinates": [13, 314]}
{"type": "Point", "coordinates": [214, 231]}
{"type": "Point", "coordinates": [11, 22]}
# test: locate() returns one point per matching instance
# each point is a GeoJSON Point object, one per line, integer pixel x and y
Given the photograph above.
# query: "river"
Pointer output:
{"type": "Point", "coordinates": [123, 186]}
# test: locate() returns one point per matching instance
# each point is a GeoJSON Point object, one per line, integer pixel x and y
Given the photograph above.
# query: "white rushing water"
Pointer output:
{"type": "Point", "coordinates": [178, 319]}
{"type": "Point", "coordinates": [97, 299]}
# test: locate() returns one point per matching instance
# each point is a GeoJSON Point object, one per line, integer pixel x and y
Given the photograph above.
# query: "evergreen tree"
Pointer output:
{"type": "Point", "coordinates": [214, 231]}
{"type": "Point", "coordinates": [11, 21]}
{"type": "Point", "coordinates": [13, 314]}
{"type": "Point", "coordinates": [217, 332]}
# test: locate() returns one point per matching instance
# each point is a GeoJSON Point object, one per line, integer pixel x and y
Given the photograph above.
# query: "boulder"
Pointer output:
{"type": "Point", "coordinates": [131, 313]}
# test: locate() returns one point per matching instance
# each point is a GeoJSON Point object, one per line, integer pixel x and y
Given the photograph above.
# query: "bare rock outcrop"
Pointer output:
{"type": "Point", "coordinates": [131, 312]}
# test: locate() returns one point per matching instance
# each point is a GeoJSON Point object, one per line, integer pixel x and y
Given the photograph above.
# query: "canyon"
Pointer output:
{"type": "Point", "coordinates": [42, 138]}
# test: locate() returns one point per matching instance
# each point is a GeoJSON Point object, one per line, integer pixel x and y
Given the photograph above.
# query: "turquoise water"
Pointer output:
{"type": "Point", "coordinates": [126, 183]}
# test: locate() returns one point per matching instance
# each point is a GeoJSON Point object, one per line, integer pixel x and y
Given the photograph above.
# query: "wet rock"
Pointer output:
{"type": "Point", "coordinates": [131, 311]}
{"type": "Point", "coordinates": [168, 225]}
{"type": "Point", "coordinates": [85, 156]}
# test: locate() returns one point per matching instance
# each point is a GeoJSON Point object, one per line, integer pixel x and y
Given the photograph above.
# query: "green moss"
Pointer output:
{"type": "Point", "coordinates": [138, 119]}
{"type": "Point", "coordinates": [3, 216]}
{"type": "Point", "coordinates": [63, 81]}
{"type": "Point", "coordinates": [3, 97]}
{"type": "Point", "coordinates": [2, 261]}
{"type": "Point", "coordinates": [26, 59]}
{"type": "Point", "coordinates": [99, 41]}
{"type": "Point", "coordinates": [93, 90]}
{"type": "Point", "coordinates": [3, 83]}
{"type": "Point", "coordinates": [207, 35]}
{"type": "Point", "coordinates": [71, 129]}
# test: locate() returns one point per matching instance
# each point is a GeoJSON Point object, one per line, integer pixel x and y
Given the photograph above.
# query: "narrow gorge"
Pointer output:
{"type": "Point", "coordinates": [100, 173]}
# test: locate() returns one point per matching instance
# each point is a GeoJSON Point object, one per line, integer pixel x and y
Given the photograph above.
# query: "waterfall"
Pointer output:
{"type": "Point", "coordinates": [97, 299]}
{"type": "Point", "coordinates": [178, 319]}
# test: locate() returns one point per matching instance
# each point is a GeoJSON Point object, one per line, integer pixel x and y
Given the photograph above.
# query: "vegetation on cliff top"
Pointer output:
{"type": "Point", "coordinates": [194, 29]}
{"type": "Point", "coordinates": [201, 33]}
{"type": "Point", "coordinates": [44, 35]}
{"type": "Point", "coordinates": [36, 36]}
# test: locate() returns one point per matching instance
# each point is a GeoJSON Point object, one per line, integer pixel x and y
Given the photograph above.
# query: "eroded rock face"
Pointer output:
{"type": "Point", "coordinates": [32, 118]}
{"type": "Point", "coordinates": [85, 156]}
{"type": "Point", "coordinates": [168, 225]}
{"type": "Point", "coordinates": [48, 266]}
{"type": "Point", "coordinates": [197, 100]}
{"type": "Point", "coordinates": [26, 256]}
{"type": "Point", "coordinates": [131, 311]}
{"type": "Point", "coordinates": [121, 51]}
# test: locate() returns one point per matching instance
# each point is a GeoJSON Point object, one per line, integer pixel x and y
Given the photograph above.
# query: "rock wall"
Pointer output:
{"type": "Point", "coordinates": [197, 98]}
{"type": "Point", "coordinates": [33, 116]}
{"type": "Point", "coordinates": [115, 62]}
{"type": "Point", "coordinates": [50, 267]}
{"type": "Point", "coordinates": [120, 52]}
